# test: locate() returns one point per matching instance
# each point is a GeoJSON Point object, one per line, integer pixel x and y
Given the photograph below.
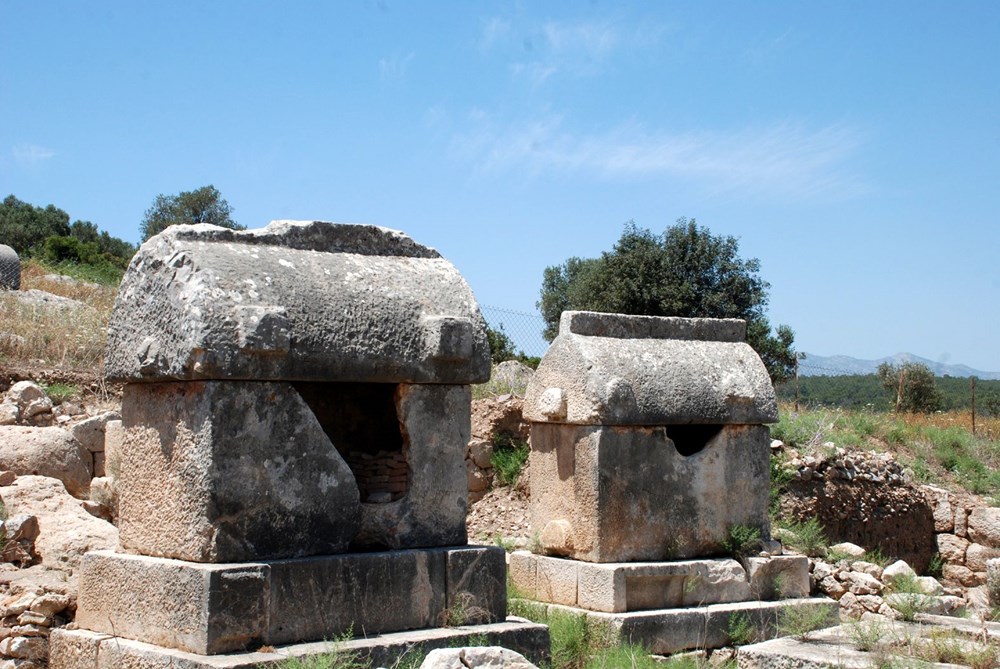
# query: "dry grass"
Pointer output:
{"type": "Point", "coordinates": [66, 337]}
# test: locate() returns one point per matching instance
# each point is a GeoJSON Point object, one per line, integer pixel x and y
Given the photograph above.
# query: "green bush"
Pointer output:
{"type": "Point", "coordinates": [509, 457]}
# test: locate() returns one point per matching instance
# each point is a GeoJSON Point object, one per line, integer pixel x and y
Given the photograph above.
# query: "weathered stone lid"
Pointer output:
{"type": "Point", "coordinates": [296, 300]}
{"type": "Point", "coordinates": [614, 369]}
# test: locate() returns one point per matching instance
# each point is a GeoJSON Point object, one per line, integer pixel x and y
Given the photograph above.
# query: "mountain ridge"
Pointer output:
{"type": "Point", "coordinates": [843, 365]}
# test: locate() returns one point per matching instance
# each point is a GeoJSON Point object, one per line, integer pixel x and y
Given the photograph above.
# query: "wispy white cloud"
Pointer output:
{"type": "Point", "coordinates": [393, 68]}
{"type": "Point", "coordinates": [785, 159]}
{"type": "Point", "coordinates": [31, 155]}
{"type": "Point", "coordinates": [538, 50]}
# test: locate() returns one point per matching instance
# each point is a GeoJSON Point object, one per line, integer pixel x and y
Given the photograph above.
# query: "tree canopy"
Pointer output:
{"type": "Point", "coordinates": [912, 386]}
{"type": "Point", "coordinates": [46, 232]}
{"type": "Point", "coordinates": [202, 205]}
{"type": "Point", "coordinates": [687, 271]}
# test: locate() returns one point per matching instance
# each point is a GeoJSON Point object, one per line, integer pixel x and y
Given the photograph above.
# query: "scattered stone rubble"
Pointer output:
{"type": "Point", "coordinates": [842, 465]}
{"type": "Point", "coordinates": [49, 454]}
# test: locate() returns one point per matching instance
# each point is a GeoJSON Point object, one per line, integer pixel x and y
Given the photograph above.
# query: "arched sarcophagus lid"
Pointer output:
{"type": "Point", "coordinates": [294, 301]}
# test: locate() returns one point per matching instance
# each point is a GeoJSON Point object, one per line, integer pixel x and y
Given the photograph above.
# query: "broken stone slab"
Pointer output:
{"type": "Point", "coordinates": [297, 300]}
{"type": "Point", "coordinates": [229, 472]}
{"type": "Point", "coordinates": [615, 369]}
{"type": "Point", "coordinates": [646, 494]}
{"type": "Point", "coordinates": [66, 531]}
{"type": "Point", "coordinates": [46, 451]}
{"type": "Point", "coordinates": [90, 431]}
{"type": "Point", "coordinates": [217, 608]}
{"type": "Point", "coordinates": [80, 649]}
{"type": "Point", "coordinates": [476, 657]}
{"type": "Point", "coordinates": [779, 576]}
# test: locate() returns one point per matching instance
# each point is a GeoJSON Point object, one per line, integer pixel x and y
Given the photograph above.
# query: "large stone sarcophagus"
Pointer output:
{"type": "Point", "coordinates": [295, 416]}
{"type": "Point", "coordinates": [647, 437]}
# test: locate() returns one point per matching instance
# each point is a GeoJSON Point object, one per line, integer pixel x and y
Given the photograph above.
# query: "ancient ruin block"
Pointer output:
{"type": "Point", "coordinates": [647, 440]}
{"type": "Point", "coordinates": [364, 339]}
{"type": "Point", "coordinates": [230, 471]}
{"type": "Point", "coordinates": [295, 301]}
{"type": "Point", "coordinates": [10, 269]}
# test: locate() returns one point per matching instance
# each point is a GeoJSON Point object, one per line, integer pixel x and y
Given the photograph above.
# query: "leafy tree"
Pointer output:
{"type": "Point", "coordinates": [687, 271]}
{"type": "Point", "coordinates": [501, 346]}
{"type": "Point", "coordinates": [25, 227]}
{"type": "Point", "coordinates": [913, 386]}
{"type": "Point", "coordinates": [203, 205]}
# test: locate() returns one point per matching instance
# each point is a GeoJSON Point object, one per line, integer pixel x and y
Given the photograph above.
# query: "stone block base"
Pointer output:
{"type": "Point", "coordinates": [80, 649]}
{"type": "Point", "coordinates": [644, 586]}
{"type": "Point", "coordinates": [669, 631]}
{"type": "Point", "coordinates": [220, 608]}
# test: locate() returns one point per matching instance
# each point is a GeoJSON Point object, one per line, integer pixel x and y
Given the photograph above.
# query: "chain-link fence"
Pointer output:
{"type": "Point", "coordinates": [10, 269]}
{"type": "Point", "coordinates": [523, 329]}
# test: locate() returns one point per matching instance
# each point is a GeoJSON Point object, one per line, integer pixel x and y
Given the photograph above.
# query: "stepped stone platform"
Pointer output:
{"type": "Point", "coordinates": [82, 649]}
{"type": "Point", "coordinates": [220, 608]}
{"type": "Point", "coordinates": [671, 607]}
{"type": "Point", "coordinates": [889, 643]}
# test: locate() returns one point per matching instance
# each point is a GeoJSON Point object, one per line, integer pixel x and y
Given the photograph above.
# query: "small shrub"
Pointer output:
{"type": "Point", "coordinates": [60, 392]}
{"type": "Point", "coordinates": [568, 636]}
{"type": "Point", "coordinates": [876, 556]}
{"type": "Point", "coordinates": [740, 629]}
{"type": "Point", "coordinates": [935, 567]}
{"type": "Point", "coordinates": [808, 537]}
{"type": "Point", "coordinates": [625, 656]}
{"type": "Point", "coordinates": [910, 598]}
{"type": "Point", "coordinates": [865, 635]}
{"type": "Point", "coordinates": [799, 621]}
{"type": "Point", "coordinates": [508, 459]}
{"type": "Point", "coordinates": [742, 540]}
{"type": "Point", "coordinates": [503, 542]}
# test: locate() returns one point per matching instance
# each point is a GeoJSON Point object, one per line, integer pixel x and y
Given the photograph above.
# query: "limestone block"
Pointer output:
{"type": "Point", "coordinates": [114, 433]}
{"type": "Point", "coordinates": [10, 268]}
{"type": "Point", "coordinates": [476, 580]}
{"type": "Point", "coordinates": [676, 630]}
{"type": "Point", "coordinates": [977, 556]}
{"type": "Point", "coordinates": [984, 526]}
{"type": "Point", "coordinates": [556, 580]}
{"type": "Point", "coordinates": [479, 657]}
{"type": "Point", "coordinates": [993, 581]}
{"type": "Point", "coordinates": [297, 300]}
{"type": "Point", "coordinates": [66, 530]}
{"type": "Point", "coordinates": [961, 521]}
{"type": "Point", "coordinates": [600, 588]}
{"type": "Point", "coordinates": [847, 548]}
{"type": "Point", "coordinates": [944, 513]}
{"type": "Point", "coordinates": [435, 421]}
{"type": "Point", "coordinates": [614, 369]}
{"type": "Point", "coordinates": [959, 573]}
{"type": "Point", "coordinates": [521, 569]}
{"type": "Point", "coordinates": [481, 453]}
{"type": "Point", "coordinates": [897, 569]}
{"type": "Point", "coordinates": [82, 649]}
{"type": "Point", "coordinates": [90, 431]}
{"type": "Point", "coordinates": [199, 608]}
{"type": "Point", "coordinates": [46, 451]}
{"type": "Point", "coordinates": [951, 547]}
{"type": "Point", "coordinates": [228, 472]}
{"type": "Point", "coordinates": [779, 577]}
{"type": "Point", "coordinates": [320, 598]}
{"type": "Point", "coordinates": [630, 495]}
{"type": "Point", "coordinates": [929, 585]}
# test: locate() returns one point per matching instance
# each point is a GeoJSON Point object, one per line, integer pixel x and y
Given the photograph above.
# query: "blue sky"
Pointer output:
{"type": "Point", "coordinates": [853, 147]}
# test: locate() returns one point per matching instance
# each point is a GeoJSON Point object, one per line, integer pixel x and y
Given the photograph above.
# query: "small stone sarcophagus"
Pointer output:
{"type": "Point", "coordinates": [647, 437]}
{"type": "Point", "coordinates": [293, 391]}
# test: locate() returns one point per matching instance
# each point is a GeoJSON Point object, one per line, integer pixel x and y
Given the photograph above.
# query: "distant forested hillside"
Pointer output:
{"type": "Point", "coordinates": [857, 392]}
